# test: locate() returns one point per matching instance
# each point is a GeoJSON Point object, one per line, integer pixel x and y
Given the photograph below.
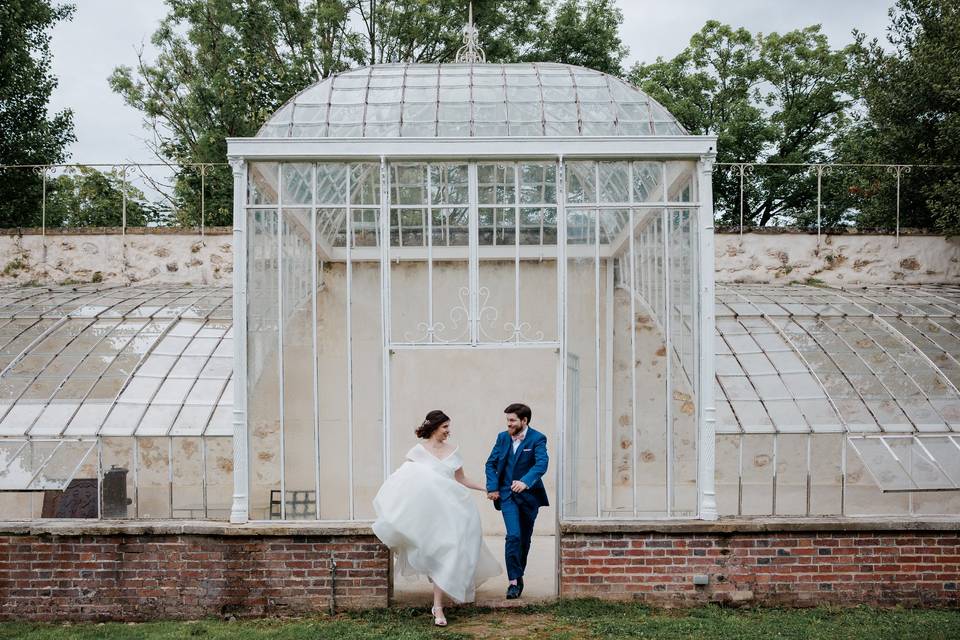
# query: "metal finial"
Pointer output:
{"type": "Point", "coordinates": [470, 52]}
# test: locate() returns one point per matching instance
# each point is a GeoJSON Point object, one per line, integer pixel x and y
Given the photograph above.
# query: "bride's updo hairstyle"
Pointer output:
{"type": "Point", "coordinates": [433, 422]}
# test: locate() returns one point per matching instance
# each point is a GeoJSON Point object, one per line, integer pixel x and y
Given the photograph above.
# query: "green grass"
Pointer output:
{"type": "Point", "coordinates": [571, 620]}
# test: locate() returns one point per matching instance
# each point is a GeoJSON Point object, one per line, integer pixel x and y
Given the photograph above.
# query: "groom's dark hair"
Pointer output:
{"type": "Point", "coordinates": [520, 410]}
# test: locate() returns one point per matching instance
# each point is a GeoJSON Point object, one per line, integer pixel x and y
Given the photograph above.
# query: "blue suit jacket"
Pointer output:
{"type": "Point", "coordinates": [531, 464]}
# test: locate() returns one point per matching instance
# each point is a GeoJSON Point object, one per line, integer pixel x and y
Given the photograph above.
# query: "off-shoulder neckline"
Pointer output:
{"type": "Point", "coordinates": [443, 459]}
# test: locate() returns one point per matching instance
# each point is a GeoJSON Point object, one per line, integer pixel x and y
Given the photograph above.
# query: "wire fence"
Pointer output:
{"type": "Point", "coordinates": [123, 195]}
{"type": "Point", "coordinates": [818, 197]}
{"type": "Point", "coordinates": [824, 197]}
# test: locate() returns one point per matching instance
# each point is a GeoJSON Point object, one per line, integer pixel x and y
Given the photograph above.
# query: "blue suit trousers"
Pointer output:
{"type": "Point", "coordinates": [519, 513]}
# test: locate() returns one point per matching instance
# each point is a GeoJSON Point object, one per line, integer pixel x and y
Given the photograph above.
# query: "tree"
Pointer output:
{"type": "Point", "coordinates": [584, 34]}
{"type": "Point", "coordinates": [226, 65]}
{"type": "Point", "coordinates": [86, 197]}
{"type": "Point", "coordinates": [770, 99]}
{"type": "Point", "coordinates": [912, 116]}
{"type": "Point", "coordinates": [223, 68]}
{"type": "Point", "coordinates": [432, 30]}
{"type": "Point", "coordinates": [29, 134]}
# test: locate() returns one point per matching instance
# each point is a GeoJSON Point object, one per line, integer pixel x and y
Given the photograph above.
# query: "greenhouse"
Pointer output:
{"type": "Point", "coordinates": [463, 236]}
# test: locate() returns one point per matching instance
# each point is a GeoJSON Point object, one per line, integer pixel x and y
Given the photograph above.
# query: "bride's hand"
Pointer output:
{"type": "Point", "coordinates": [493, 495]}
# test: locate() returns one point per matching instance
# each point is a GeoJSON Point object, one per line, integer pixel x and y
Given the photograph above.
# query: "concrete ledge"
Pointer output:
{"type": "Point", "coordinates": [761, 525]}
{"type": "Point", "coordinates": [183, 527]}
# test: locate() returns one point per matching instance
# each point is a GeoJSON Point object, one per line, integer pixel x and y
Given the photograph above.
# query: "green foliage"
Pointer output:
{"type": "Point", "coordinates": [28, 133]}
{"type": "Point", "coordinates": [224, 66]}
{"type": "Point", "coordinates": [86, 197]}
{"type": "Point", "coordinates": [769, 98]}
{"type": "Point", "coordinates": [584, 34]}
{"type": "Point", "coordinates": [912, 116]}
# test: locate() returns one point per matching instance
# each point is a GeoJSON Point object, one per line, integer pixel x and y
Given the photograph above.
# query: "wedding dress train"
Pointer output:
{"type": "Point", "coordinates": [431, 522]}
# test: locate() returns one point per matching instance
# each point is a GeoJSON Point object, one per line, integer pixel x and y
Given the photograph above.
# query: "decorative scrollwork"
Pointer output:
{"type": "Point", "coordinates": [471, 52]}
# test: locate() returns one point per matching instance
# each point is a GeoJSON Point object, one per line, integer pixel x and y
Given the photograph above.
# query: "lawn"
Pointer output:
{"type": "Point", "coordinates": [569, 619]}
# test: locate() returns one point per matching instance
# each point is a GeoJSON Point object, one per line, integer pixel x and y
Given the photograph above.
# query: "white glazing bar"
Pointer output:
{"type": "Point", "coordinates": [203, 478]}
{"type": "Point", "coordinates": [315, 365]}
{"type": "Point", "coordinates": [170, 475]}
{"type": "Point", "coordinates": [706, 353]}
{"type": "Point", "coordinates": [561, 391]}
{"type": "Point", "coordinates": [281, 218]}
{"type": "Point", "coordinates": [136, 478]}
{"type": "Point", "coordinates": [239, 511]}
{"type": "Point", "coordinates": [634, 456]}
{"type": "Point", "coordinates": [516, 257]}
{"type": "Point", "coordinates": [428, 212]}
{"type": "Point", "coordinates": [473, 265]}
{"type": "Point", "coordinates": [598, 417]}
{"type": "Point", "coordinates": [608, 375]}
{"type": "Point", "coordinates": [100, 478]}
{"type": "Point", "coordinates": [385, 328]}
{"type": "Point", "coordinates": [349, 319]}
{"type": "Point", "coordinates": [668, 360]}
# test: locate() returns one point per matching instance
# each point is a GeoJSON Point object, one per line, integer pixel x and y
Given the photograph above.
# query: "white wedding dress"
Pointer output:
{"type": "Point", "coordinates": [430, 521]}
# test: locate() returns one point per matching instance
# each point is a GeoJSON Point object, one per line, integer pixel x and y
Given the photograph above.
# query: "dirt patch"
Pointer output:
{"type": "Point", "coordinates": [530, 626]}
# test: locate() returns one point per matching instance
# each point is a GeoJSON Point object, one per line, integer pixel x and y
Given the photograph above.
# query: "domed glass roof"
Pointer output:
{"type": "Point", "coordinates": [470, 100]}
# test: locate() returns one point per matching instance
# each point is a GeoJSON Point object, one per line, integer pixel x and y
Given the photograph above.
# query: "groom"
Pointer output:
{"type": "Point", "coordinates": [518, 460]}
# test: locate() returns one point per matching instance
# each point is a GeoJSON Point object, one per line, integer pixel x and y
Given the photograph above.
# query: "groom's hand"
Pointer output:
{"type": "Point", "coordinates": [518, 486]}
{"type": "Point", "coordinates": [493, 495]}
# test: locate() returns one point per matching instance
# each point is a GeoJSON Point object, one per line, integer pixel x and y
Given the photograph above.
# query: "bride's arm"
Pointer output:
{"type": "Point", "coordinates": [467, 482]}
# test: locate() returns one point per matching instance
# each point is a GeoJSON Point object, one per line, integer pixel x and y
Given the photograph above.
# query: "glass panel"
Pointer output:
{"type": "Point", "coordinates": [331, 183]}
{"type": "Point", "coordinates": [887, 471]}
{"type": "Point", "coordinates": [581, 182]}
{"type": "Point", "coordinates": [538, 183]}
{"type": "Point", "coordinates": [614, 182]}
{"type": "Point", "coordinates": [57, 472]}
{"type": "Point", "coordinates": [262, 181]}
{"type": "Point", "coordinates": [365, 183]}
{"type": "Point", "coordinates": [298, 309]}
{"type": "Point", "coordinates": [297, 183]}
{"type": "Point", "coordinates": [263, 373]}
{"type": "Point", "coordinates": [408, 184]}
{"type": "Point", "coordinates": [647, 177]}
{"type": "Point", "coordinates": [496, 183]}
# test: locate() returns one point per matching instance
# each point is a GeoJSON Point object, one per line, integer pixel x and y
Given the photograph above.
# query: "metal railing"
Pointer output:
{"type": "Point", "coordinates": [727, 205]}
{"type": "Point", "coordinates": [742, 172]}
{"type": "Point", "coordinates": [151, 187]}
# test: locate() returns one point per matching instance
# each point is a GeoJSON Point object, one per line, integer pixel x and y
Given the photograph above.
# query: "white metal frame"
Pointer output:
{"type": "Point", "coordinates": [699, 148]}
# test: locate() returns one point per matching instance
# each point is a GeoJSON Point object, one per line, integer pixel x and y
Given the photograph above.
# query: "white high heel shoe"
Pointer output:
{"type": "Point", "coordinates": [438, 620]}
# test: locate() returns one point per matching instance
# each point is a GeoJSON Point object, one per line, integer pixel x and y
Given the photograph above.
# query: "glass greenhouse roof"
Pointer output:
{"type": "Point", "coordinates": [470, 100]}
{"type": "Point", "coordinates": [78, 362]}
{"type": "Point", "coordinates": [801, 359]}
{"type": "Point", "coordinates": [86, 361]}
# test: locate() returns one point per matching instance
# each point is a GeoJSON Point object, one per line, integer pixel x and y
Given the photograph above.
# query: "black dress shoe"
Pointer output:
{"type": "Point", "coordinates": [520, 585]}
{"type": "Point", "coordinates": [513, 592]}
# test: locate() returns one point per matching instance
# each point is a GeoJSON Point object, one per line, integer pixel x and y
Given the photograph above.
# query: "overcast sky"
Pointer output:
{"type": "Point", "coordinates": [106, 33]}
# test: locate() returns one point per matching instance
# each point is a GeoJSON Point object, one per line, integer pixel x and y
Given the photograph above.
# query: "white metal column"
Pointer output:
{"type": "Point", "coordinates": [239, 511]}
{"type": "Point", "coordinates": [706, 413]}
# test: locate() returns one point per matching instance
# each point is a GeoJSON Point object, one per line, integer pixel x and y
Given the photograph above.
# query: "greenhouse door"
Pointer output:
{"type": "Point", "coordinates": [473, 386]}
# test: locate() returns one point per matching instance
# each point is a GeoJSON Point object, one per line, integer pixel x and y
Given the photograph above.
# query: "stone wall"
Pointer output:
{"type": "Point", "coordinates": [156, 256]}
{"type": "Point", "coordinates": [764, 562]}
{"type": "Point", "coordinates": [175, 256]}
{"type": "Point", "coordinates": [165, 571]}
{"type": "Point", "coordinates": [840, 260]}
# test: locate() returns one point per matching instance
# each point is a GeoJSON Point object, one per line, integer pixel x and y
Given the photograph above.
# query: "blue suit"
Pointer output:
{"type": "Point", "coordinates": [519, 510]}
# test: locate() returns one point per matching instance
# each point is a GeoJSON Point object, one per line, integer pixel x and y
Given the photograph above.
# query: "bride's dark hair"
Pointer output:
{"type": "Point", "coordinates": [433, 422]}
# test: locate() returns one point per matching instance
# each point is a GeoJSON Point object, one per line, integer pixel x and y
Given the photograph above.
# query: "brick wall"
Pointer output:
{"type": "Point", "coordinates": [794, 568]}
{"type": "Point", "coordinates": [138, 577]}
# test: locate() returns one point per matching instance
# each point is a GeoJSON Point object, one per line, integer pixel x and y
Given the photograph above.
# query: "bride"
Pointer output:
{"type": "Point", "coordinates": [425, 514]}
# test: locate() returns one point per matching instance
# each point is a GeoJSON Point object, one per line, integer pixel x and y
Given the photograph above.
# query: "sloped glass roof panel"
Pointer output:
{"type": "Point", "coordinates": [110, 360]}
{"type": "Point", "coordinates": [470, 100]}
